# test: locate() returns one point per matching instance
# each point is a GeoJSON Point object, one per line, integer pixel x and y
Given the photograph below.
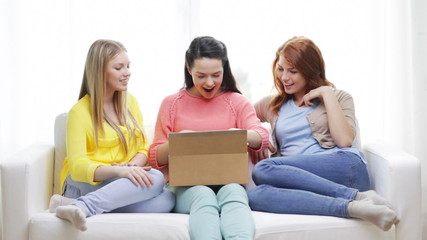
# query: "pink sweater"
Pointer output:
{"type": "Point", "coordinates": [183, 111]}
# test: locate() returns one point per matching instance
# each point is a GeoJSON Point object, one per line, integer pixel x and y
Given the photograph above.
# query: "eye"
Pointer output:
{"type": "Point", "coordinates": [293, 71]}
{"type": "Point", "coordinates": [118, 69]}
{"type": "Point", "coordinates": [216, 76]}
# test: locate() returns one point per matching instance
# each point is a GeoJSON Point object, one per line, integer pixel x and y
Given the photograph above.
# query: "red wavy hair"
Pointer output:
{"type": "Point", "coordinates": [302, 54]}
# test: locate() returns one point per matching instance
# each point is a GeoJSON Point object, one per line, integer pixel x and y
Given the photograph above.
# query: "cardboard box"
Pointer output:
{"type": "Point", "coordinates": [208, 158]}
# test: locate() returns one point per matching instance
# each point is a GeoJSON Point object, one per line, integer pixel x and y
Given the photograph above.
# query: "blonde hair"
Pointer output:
{"type": "Point", "coordinates": [94, 84]}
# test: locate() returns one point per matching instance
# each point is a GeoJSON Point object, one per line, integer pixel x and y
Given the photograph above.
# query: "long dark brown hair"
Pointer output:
{"type": "Point", "coordinates": [209, 47]}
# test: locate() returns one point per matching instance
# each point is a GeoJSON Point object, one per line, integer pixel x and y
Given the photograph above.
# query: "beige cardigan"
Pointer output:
{"type": "Point", "coordinates": [317, 119]}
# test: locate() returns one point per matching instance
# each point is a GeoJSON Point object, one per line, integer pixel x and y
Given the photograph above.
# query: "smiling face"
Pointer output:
{"type": "Point", "coordinates": [118, 73]}
{"type": "Point", "coordinates": [293, 81]}
{"type": "Point", "coordinates": [207, 74]}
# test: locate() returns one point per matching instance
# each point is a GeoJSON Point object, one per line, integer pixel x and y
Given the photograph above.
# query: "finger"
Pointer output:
{"type": "Point", "coordinates": [271, 148]}
{"type": "Point", "coordinates": [134, 177]}
{"type": "Point", "coordinates": [147, 168]}
{"type": "Point", "coordinates": [133, 180]}
{"type": "Point", "coordinates": [141, 181]}
{"type": "Point", "coordinates": [149, 177]}
{"type": "Point", "coordinates": [146, 179]}
{"type": "Point", "coordinates": [140, 176]}
{"type": "Point", "coordinates": [264, 154]}
{"type": "Point", "coordinates": [254, 157]}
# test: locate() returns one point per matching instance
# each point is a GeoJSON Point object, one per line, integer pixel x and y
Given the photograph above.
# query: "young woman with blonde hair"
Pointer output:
{"type": "Point", "coordinates": [105, 167]}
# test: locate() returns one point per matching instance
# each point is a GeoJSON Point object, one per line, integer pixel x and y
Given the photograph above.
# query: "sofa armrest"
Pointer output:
{"type": "Point", "coordinates": [26, 183]}
{"type": "Point", "coordinates": [396, 175]}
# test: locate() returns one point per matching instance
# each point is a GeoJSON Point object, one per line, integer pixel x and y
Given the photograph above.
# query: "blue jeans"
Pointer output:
{"type": "Point", "coordinates": [222, 215]}
{"type": "Point", "coordinates": [320, 184]}
{"type": "Point", "coordinates": [120, 195]}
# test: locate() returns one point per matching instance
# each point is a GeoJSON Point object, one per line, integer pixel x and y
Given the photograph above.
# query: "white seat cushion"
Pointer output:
{"type": "Point", "coordinates": [269, 226]}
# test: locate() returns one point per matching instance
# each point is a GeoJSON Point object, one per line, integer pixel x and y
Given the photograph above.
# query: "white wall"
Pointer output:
{"type": "Point", "coordinates": [374, 49]}
{"type": "Point", "coordinates": [47, 44]}
{"type": "Point", "coordinates": [419, 51]}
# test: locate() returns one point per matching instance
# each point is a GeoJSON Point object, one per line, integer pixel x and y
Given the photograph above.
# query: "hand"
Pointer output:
{"type": "Point", "coordinates": [137, 175]}
{"type": "Point", "coordinates": [318, 93]}
{"type": "Point", "coordinates": [263, 154]}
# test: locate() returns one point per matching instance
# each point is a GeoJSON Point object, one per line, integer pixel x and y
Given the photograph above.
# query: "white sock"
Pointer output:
{"type": "Point", "coordinates": [74, 215]}
{"type": "Point", "coordinates": [374, 197]}
{"type": "Point", "coordinates": [57, 200]}
{"type": "Point", "coordinates": [380, 215]}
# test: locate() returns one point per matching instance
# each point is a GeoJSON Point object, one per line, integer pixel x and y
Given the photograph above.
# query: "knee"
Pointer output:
{"type": "Point", "coordinates": [165, 202]}
{"type": "Point", "coordinates": [158, 180]}
{"type": "Point", "coordinates": [232, 193]}
{"type": "Point", "coordinates": [156, 174]}
{"type": "Point", "coordinates": [259, 171]}
{"type": "Point", "coordinates": [195, 198]}
{"type": "Point", "coordinates": [255, 196]}
{"type": "Point", "coordinates": [203, 194]}
{"type": "Point", "coordinates": [255, 192]}
{"type": "Point", "coordinates": [360, 177]}
{"type": "Point", "coordinates": [232, 189]}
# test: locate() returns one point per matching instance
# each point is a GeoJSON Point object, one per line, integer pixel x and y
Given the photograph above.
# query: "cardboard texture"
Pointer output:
{"type": "Point", "coordinates": [208, 158]}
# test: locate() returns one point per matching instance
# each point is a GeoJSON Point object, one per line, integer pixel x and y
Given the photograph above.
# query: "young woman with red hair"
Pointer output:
{"type": "Point", "coordinates": [317, 169]}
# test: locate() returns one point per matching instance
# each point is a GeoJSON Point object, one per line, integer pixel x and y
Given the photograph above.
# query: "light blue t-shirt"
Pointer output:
{"type": "Point", "coordinates": [294, 135]}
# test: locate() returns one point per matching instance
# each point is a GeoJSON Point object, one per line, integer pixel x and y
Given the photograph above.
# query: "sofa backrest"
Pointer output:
{"type": "Point", "coordinates": [59, 141]}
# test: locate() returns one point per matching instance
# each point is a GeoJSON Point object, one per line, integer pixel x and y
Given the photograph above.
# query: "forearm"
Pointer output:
{"type": "Point", "coordinates": [163, 153]}
{"type": "Point", "coordinates": [339, 128]}
{"type": "Point", "coordinates": [139, 160]}
{"type": "Point", "coordinates": [103, 173]}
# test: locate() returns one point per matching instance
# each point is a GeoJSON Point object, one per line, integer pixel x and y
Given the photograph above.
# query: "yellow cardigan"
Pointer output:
{"type": "Point", "coordinates": [82, 157]}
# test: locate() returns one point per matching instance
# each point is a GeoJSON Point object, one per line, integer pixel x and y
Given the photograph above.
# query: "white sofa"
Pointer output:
{"type": "Point", "coordinates": [30, 177]}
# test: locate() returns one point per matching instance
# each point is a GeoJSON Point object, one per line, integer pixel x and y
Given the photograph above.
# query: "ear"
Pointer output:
{"type": "Point", "coordinates": [188, 69]}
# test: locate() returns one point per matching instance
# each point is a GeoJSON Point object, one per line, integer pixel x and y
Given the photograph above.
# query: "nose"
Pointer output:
{"type": "Point", "coordinates": [209, 82]}
{"type": "Point", "coordinates": [284, 77]}
{"type": "Point", "coordinates": [127, 72]}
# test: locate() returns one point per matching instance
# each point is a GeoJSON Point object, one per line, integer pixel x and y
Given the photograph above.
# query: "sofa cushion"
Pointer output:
{"type": "Point", "coordinates": [112, 226]}
{"type": "Point", "coordinates": [159, 226]}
